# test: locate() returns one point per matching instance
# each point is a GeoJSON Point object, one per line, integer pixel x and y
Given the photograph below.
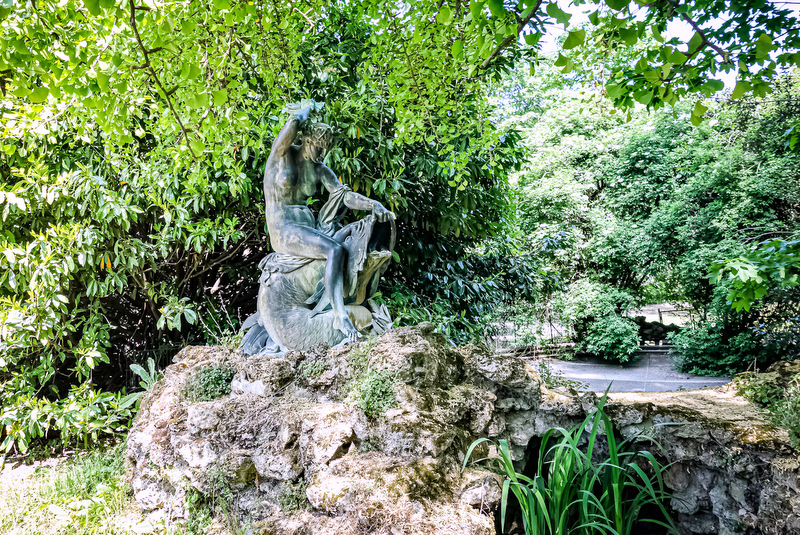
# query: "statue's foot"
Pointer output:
{"type": "Point", "coordinates": [351, 334]}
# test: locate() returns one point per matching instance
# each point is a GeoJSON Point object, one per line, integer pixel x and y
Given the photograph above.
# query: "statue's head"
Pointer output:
{"type": "Point", "coordinates": [317, 141]}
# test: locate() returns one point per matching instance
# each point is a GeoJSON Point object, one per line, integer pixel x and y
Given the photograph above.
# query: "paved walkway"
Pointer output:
{"type": "Point", "coordinates": [650, 373]}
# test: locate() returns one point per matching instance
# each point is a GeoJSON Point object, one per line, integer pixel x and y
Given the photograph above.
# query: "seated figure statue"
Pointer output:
{"type": "Point", "coordinates": [314, 285]}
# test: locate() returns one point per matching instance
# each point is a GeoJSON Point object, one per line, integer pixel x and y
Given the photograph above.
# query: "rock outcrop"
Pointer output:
{"type": "Point", "coordinates": [371, 438]}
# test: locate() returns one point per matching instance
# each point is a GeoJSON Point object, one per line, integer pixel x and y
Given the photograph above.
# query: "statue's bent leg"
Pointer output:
{"type": "Point", "coordinates": [305, 241]}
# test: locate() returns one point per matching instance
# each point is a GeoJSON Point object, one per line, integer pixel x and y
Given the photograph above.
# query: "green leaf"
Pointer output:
{"type": "Point", "coordinates": [457, 48]}
{"type": "Point", "coordinates": [678, 58]}
{"type": "Point", "coordinates": [198, 147]}
{"type": "Point", "coordinates": [220, 97]}
{"type": "Point", "coordinates": [614, 91]}
{"type": "Point", "coordinates": [617, 5]}
{"type": "Point", "coordinates": [476, 8]}
{"type": "Point", "coordinates": [531, 39]}
{"type": "Point", "coordinates": [574, 39]}
{"type": "Point", "coordinates": [102, 81]}
{"type": "Point", "coordinates": [652, 76]}
{"type": "Point", "coordinates": [763, 46]}
{"type": "Point", "coordinates": [497, 8]}
{"type": "Point", "coordinates": [188, 26]}
{"type": "Point", "coordinates": [712, 86]}
{"type": "Point", "coordinates": [445, 16]}
{"type": "Point", "coordinates": [107, 4]}
{"type": "Point", "coordinates": [629, 36]}
{"type": "Point", "coordinates": [657, 35]}
{"type": "Point", "coordinates": [699, 109]}
{"type": "Point", "coordinates": [39, 94]}
{"type": "Point", "coordinates": [643, 97]}
{"type": "Point", "coordinates": [741, 88]}
{"type": "Point", "coordinates": [561, 17]}
{"type": "Point", "coordinates": [192, 72]}
{"type": "Point", "coordinates": [93, 6]}
{"type": "Point", "coordinates": [694, 43]}
{"type": "Point", "coordinates": [6, 4]}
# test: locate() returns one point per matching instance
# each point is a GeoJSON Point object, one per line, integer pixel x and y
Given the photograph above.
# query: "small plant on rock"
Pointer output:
{"type": "Point", "coordinates": [369, 389]}
{"type": "Point", "coordinates": [312, 369]}
{"type": "Point", "coordinates": [777, 393]}
{"type": "Point", "coordinates": [374, 392]}
{"type": "Point", "coordinates": [292, 497]}
{"type": "Point", "coordinates": [208, 383]}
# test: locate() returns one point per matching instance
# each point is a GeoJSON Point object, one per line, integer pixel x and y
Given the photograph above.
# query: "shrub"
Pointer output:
{"type": "Point", "coordinates": [710, 350]}
{"type": "Point", "coordinates": [593, 310]}
{"type": "Point", "coordinates": [208, 383]}
{"type": "Point", "coordinates": [612, 337]}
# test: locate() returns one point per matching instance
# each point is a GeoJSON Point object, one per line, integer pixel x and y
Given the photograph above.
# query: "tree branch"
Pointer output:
{"type": "Point", "coordinates": [510, 38]}
{"type": "Point", "coordinates": [706, 42]}
{"type": "Point", "coordinates": [147, 65]}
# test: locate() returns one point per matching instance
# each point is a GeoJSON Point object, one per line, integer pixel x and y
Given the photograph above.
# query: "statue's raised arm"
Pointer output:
{"type": "Point", "coordinates": [289, 132]}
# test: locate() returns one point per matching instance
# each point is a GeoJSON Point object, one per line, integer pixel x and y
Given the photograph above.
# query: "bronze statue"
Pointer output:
{"type": "Point", "coordinates": [354, 256]}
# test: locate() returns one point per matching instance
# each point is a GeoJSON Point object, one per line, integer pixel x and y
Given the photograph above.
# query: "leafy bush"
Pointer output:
{"type": "Point", "coordinates": [593, 310]}
{"type": "Point", "coordinates": [614, 338]}
{"type": "Point", "coordinates": [208, 383]}
{"type": "Point", "coordinates": [83, 416]}
{"type": "Point", "coordinates": [114, 225]}
{"type": "Point", "coordinates": [728, 342]}
{"type": "Point", "coordinates": [706, 349]}
{"type": "Point", "coordinates": [573, 491]}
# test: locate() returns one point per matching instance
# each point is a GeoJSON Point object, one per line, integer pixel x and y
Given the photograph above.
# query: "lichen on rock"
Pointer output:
{"type": "Point", "coordinates": [299, 453]}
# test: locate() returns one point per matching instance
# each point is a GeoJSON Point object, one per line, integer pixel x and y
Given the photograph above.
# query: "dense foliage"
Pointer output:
{"type": "Point", "coordinates": [645, 207]}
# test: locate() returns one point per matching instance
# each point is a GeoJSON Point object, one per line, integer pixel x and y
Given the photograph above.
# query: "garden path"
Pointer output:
{"type": "Point", "coordinates": [651, 372]}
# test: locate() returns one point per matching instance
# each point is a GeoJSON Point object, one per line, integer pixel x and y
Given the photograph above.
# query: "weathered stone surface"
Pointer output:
{"type": "Point", "coordinates": [293, 424]}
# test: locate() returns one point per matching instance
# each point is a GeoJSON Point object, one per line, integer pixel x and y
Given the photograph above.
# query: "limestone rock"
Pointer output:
{"type": "Point", "coordinates": [298, 456]}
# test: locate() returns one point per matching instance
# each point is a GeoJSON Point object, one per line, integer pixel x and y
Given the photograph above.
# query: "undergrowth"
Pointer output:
{"type": "Point", "coordinates": [555, 379]}
{"type": "Point", "coordinates": [85, 495]}
{"type": "Point", "coordinates": [778, 393]}
{"type": "Point", "coordinates": [581, 488]}
{"type": "Point", "coordinates": [292, 497]}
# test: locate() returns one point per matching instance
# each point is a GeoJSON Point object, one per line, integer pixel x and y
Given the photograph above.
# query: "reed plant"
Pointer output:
{"type": "Point", "coordinates": [576, 490]}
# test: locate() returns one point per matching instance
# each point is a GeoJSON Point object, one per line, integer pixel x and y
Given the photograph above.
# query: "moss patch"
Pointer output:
{"type": "Point", "coordinates": [208, 383]}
